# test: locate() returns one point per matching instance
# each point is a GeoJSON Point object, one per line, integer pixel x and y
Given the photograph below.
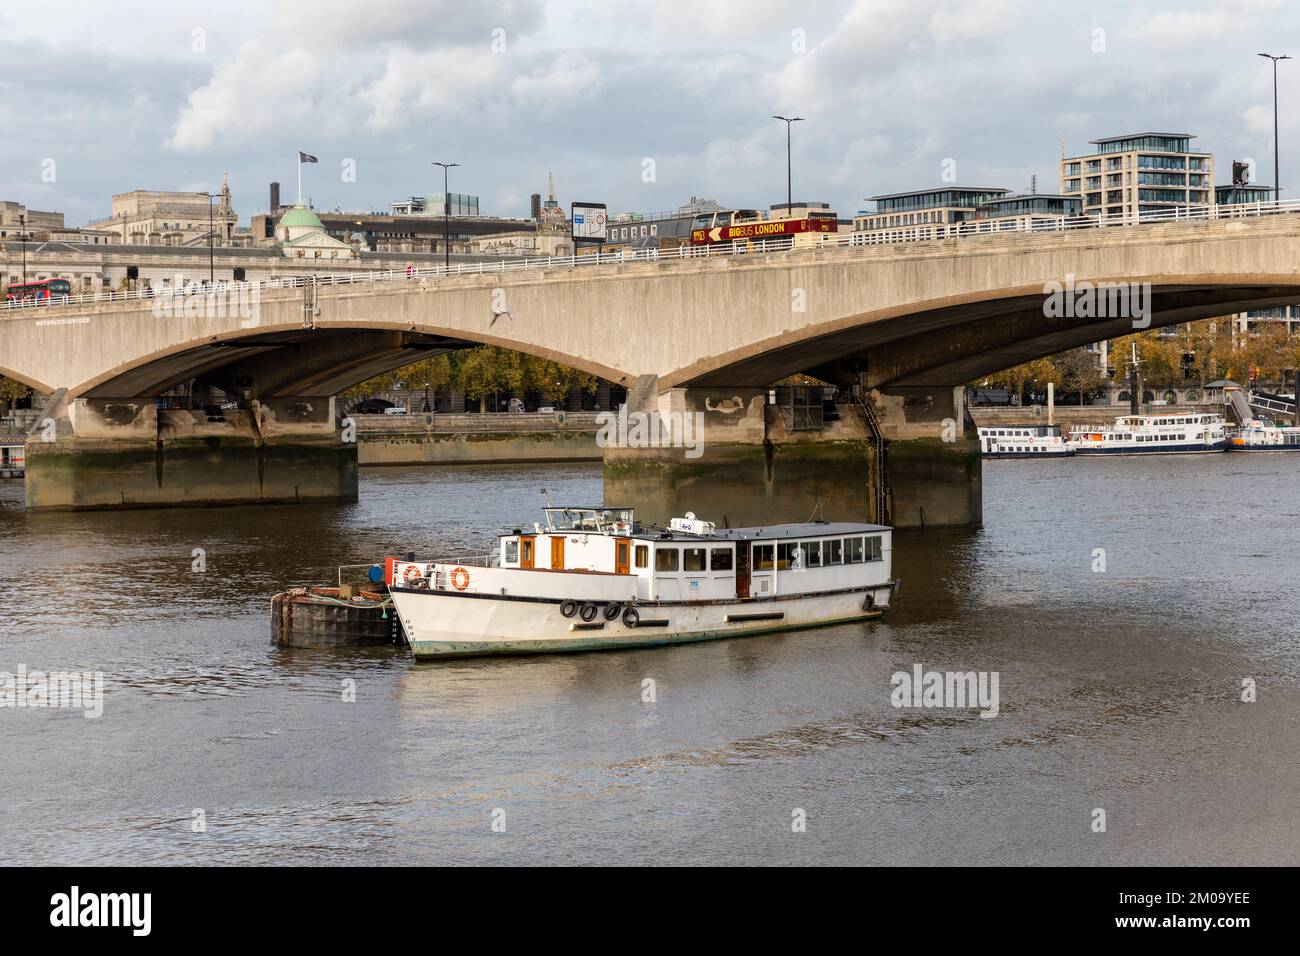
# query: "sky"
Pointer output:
{"type": "Point", "coordinates": [640, 106]}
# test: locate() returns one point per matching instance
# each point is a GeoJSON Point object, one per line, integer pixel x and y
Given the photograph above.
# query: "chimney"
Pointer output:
{"type": "Point", "coordinates": [275, 198]}
{"type": "Point", "coordinates": [537, 207]}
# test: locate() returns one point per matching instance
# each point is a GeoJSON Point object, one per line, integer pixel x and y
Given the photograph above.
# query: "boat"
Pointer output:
{"type": "Point", "coordinates": [1263, 434]}
{"type": "Point", "coordinates": [594, 578]}
{"type": "Point", "coordinates": [1023, 441]}
{"type": "Point", "coordinates": [1183, 434]}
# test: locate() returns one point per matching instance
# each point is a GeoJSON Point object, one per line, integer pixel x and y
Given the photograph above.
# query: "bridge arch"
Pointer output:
{"type": "Point", "coordinates": [330, 357]}
{"type": "Point", "coordinates": [34, 384]}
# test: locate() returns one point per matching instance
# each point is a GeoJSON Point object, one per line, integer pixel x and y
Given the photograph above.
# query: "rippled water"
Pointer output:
{"type": "Point", "coordinates": [1119, 690]}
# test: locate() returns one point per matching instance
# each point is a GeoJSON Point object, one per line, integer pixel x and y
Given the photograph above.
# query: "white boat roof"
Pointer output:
{"type": "Point", "coordinates": [773, 532]}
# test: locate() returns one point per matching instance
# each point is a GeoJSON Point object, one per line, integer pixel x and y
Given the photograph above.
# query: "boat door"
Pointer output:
{"type": "Point", "coordinates": [622, 548]}
{"type": "Point", "coordinates": [527, 543]}
{"type": "Point", "coordinates": [742, 569]}
{"type": "Point", "coordinates": [557, 552]}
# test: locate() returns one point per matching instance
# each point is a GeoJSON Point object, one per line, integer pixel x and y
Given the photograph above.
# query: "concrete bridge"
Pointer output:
{"type": "Point", "coordinates": [902, 326]}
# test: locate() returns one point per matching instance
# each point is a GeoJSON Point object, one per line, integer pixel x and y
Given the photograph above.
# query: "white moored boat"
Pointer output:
{"type": "Point", "coordinates": [1023, 441]}
{"type": "Point", "coordinates": [593, 578]}
{"type": "Point", "coordinates": [1262, 434]}
{"type": "Point", "coordinates": [1185, 434]}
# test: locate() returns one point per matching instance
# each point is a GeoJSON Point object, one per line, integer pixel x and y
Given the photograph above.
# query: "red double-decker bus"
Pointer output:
{"type": "Point", "coordinates": [42, 291]}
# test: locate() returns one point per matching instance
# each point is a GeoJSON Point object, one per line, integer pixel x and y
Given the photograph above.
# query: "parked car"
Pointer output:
{"type": "Point", "coordinates": [546, 410]}
{"type": "Point", "coordinates": [372, 406]}
{"type": "Point", "coordinates": [395, 410]}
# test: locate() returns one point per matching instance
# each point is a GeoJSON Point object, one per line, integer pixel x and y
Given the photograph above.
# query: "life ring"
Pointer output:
{"type": "Point", "coordinates": [412, 574]}
{"type": "Point", "coordinates": [612, 610]}
{"type": "Point", "coordinates": [587, 612]}
{"type": "Point", "coordinates": [630, 617]}
{"type": "Point", "coordinates": [569, 608]}
{"type": "Point", "coordinates": [459, 579]}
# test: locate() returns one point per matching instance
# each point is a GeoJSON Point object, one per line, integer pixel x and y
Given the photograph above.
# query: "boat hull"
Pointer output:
{"type": "Point", "coordinates": [441, 625]}
{"type": "Point", "coordinates": [1188, 449]}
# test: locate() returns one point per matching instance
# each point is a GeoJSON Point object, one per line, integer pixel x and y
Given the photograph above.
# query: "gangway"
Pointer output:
{"type": "Point", "coordinates": [1237, 402]}
{"type": "Point", "coordinates": [1280, 408]}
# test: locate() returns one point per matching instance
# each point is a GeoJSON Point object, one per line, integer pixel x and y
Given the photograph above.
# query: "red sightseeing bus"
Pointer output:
{"type": "Point", "coordinates": [42, 291]}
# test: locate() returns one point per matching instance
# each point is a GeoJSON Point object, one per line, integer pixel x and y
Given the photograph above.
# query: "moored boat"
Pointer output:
{"type": "Point", "coordinates": [1263, 434]}
{"type": "Point", "coordinates": [1023, 441]}
{"type": "Point", "coordinates": [594, 578]}
{"type": "Point", "coordinates": [1185, 434]}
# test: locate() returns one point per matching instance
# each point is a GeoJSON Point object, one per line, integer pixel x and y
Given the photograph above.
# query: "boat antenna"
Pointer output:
{"type": "Point", "coordinates": [547, 495]}
{"type": "Point", "coordinates": [816, 508]}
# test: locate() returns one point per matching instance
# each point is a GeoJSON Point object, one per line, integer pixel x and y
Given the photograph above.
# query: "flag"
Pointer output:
{"type": "Point", "coordinates": [306, 157]}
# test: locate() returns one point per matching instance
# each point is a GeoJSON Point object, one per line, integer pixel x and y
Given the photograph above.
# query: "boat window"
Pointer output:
{"type": "Point", "coordinates": [834, 551]}
{"type": "Point", "coordinates": [789, 556]}
{"type": "Point", "coordinates": [854, 550]}
{"type": "Point", "coordinates": [642, 555]}
{"type": "Point", "coordinates": [874, 552]}
{"type": "Point", "coordinates": [666, 559]}
{"type": "Point", "coordinates": [813, 550]}
{"type": "Point", "coordinates": [693, 559]}
{"type": "Point", "coordinates": [763, 557]}
{"type": "Point", "coordinates": [512, 551]}
{"type": "Point", "coordinates": [721, 559]}
{"type": "Point", "coordinates": [528, 551]}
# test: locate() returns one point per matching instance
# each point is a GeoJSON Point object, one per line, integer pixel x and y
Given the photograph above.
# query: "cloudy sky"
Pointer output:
{"type": "Point", "coordinates": [638, 105]}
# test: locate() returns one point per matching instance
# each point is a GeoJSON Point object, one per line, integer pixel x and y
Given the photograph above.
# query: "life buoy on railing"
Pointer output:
{"type": "Point", "coordinates": [459, 579]}
{"type": "Point", "coordinates": [412, 573]}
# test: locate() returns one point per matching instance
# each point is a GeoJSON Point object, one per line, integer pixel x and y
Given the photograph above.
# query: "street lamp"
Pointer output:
{"type": "Point", "coordinates": [211, 233]}
{"type": "Point", "coordinates": [22, 234]}
{"type": "Point", "coordinates": [789, 192]}
{"type": "Point", "coordinates": [446, 213]}
{"type": "Point", "coordinates": [1277, 180]}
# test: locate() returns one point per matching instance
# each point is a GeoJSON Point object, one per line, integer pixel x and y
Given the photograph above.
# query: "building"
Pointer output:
{"type": "Point", "coordinates": [13, 453]}
{"type": "Point", "coordinates": [1137, 174]}
{"type": "Point", "coordinates": [1025, 211]}
{"type": "Point", "coordinates": [923, 213]}
{"type": "Point", "coordinates": [303, 236]}
{"type": "Point", "coordinates": [148, 217]}
{"type": "Point", "coordinates": [16, 219]}
{"type": "Point", "coordinates": [461, 204]}
{"type": "Point", "coordinates": [521, 243]}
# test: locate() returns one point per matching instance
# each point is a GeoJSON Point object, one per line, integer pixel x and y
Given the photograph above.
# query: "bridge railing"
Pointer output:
{"type": "Point", "coordinates": [934, 232]}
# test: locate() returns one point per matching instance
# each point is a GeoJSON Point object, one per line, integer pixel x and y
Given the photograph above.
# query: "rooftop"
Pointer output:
{"type": "Point", "coordinates": [1116, 139]}
{"type": "Point", "coordinates": [942, 189]}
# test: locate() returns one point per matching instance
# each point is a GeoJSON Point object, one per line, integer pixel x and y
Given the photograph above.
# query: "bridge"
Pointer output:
{"type": "Point", "coordinates": [901, 325]}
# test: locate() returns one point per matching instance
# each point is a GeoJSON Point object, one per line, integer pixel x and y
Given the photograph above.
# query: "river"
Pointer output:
{"type": "Point", "coordinates": [1119, 690]}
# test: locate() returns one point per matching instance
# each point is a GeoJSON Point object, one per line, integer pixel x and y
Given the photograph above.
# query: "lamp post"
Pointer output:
{"type": "Point", "coordinates": [789, 192]}
{"type": "Point", "coordinates": [211, 234]}
{"type": "Point", "coordinates": [446, 214]}
{"type": "Point", "coordinates": [22, 234]}
{"type": "Point", "coordinates": [1277, 178]}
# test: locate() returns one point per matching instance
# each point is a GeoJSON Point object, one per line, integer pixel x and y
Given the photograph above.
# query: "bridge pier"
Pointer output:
{"type": "Point", "coordinates": [733, 457]}
{"type": "Point", "coordinates": [92, 454]}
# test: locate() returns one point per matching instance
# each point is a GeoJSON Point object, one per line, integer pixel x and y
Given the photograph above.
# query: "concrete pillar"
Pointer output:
{"type": "Point", "coordinates": [128, 453]}
{"type": "Point", "coordinates": [457, 403]}
{"type": "Point", "coordinates": [733, 458]}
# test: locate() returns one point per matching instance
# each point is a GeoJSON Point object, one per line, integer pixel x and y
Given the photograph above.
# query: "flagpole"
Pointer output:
{"type": "Point", "coordinates": [300, 179]}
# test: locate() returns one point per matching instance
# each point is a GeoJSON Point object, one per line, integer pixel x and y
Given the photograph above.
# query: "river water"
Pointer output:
{"type": "Point", "coordinates": [1119, 690]}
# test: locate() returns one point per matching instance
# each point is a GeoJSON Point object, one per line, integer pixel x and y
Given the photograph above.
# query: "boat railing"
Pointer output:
{"type": "Point", "coordinates": [490, 560]}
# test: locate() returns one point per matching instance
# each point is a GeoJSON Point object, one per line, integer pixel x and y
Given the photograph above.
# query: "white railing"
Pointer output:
{"type": "Point", "coordinates": [904, 234]}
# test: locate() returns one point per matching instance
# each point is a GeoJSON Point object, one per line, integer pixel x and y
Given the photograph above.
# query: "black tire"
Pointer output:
{"type": "Point", "coordinates": [630, 617]}
{"type": "Point", "coordinates": [612, 611]}
{"type": "Point", "coordinates": [569, 608]}
{"type": "Point", "coordinates": [869, 602]}
{"type": "Point", "coordinates": [588, 613]}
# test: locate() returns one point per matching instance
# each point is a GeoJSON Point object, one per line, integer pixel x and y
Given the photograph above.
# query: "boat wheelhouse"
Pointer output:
{"type": "Point", "coordinates": [1023, 441]}
{"type": "Point", "coordinates": [594, 578]}
{"type": "Point", "coordinates": [1263, 434]}
{"type": "Point", "coordinates": [1185, 434]}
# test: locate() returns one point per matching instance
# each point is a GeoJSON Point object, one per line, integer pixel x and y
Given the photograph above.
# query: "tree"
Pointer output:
{"type": "Point", "coordinates": [11, 389]}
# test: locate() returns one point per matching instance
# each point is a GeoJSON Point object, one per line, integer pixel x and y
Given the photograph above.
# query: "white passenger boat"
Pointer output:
{"type": "Point", "coordinates": [1023, 441]}
{"type": "Point", "coordinates": [1183, 434]}
{"type": "Point", "coordinates": [593, 578]}
{"type": "Point", "coordinates": [1262, 434]}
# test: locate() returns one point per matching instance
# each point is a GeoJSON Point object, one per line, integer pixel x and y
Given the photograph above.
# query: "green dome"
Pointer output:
{"type": "Point", "coordinates": [301, 216]}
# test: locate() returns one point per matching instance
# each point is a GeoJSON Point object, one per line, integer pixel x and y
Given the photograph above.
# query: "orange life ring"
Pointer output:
{"type": "Point", "coordinates": [412, 573]}
{"type": "Point", "coordinates": [459, 579]}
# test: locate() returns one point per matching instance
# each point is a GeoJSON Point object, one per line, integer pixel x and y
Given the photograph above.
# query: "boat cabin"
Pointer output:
{"type": "Point", "coordinates": [693, 560]}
